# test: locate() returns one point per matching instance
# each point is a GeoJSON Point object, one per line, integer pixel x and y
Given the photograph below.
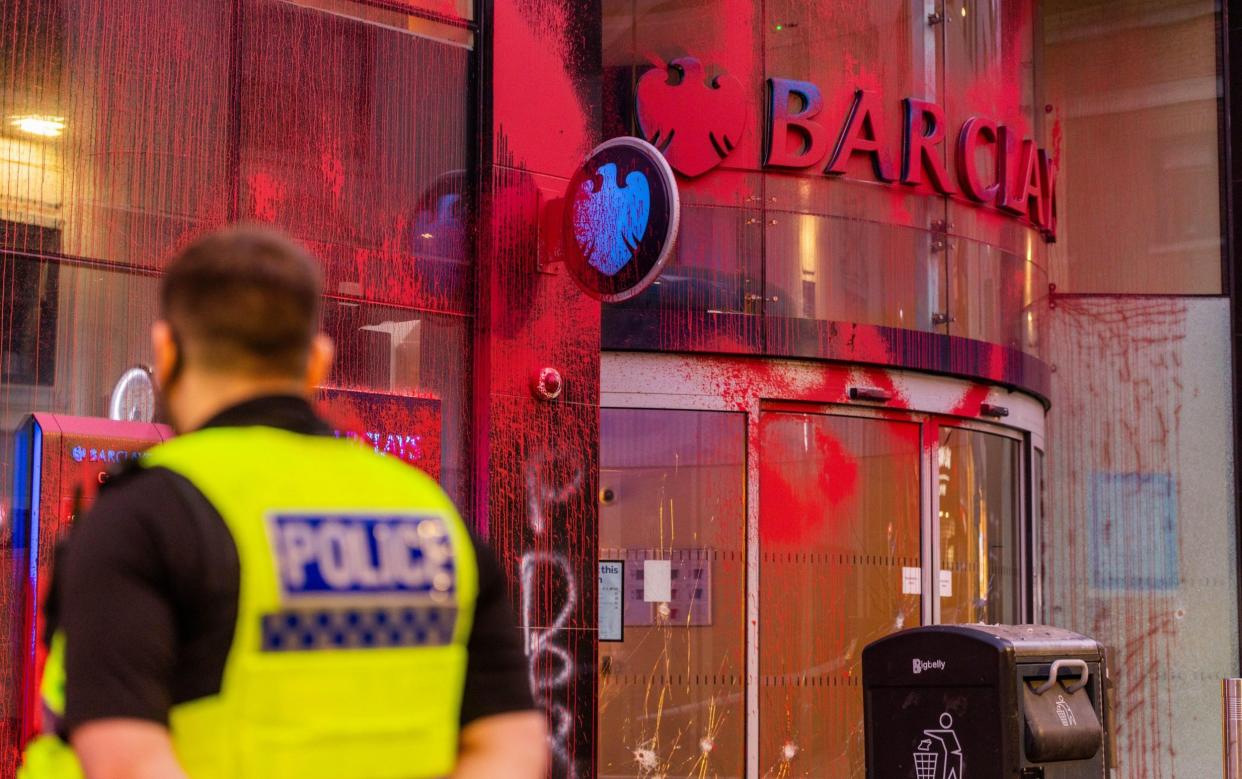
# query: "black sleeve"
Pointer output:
{"type": "Point", "coordinates": [118, 620]}
{"type": "Point", "coordinates": [147, 600]}
{"type": "Point", "coordinates": [496, 670]}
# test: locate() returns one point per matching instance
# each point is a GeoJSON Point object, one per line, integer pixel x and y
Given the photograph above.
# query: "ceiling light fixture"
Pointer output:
{"type": "Point", "coordinates": [37, 124]}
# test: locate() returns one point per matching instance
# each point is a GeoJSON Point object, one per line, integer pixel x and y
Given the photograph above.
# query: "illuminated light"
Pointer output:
{"type": "Point", "coordinates": [963, 11]}
{"type": "Point", "coordinates": [780, 27]}
{"type": "Point", "coordinates": [426, 236]}
{"type": "Point", "coordinates": [43, 126]}
{"type": "Point", "coordinates": [808, 247]}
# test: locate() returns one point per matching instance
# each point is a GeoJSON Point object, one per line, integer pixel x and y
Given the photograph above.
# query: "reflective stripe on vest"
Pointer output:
{"type": "Point", "coordinates": [358, 586]}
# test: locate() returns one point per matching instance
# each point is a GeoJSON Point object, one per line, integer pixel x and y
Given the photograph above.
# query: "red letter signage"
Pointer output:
{"type": "Point", "coordinates": [859, 136]}
{"type": "Point", "coordinates": [921, 135]}
{"type": "Point", "coordinates": [975, 132]}
{"type": "Point", "coordinates": [697, 123]}
{"type": "Point", "coordinates": [811, 134]}
{"type": "Point", "coordinates": [1048, 174]}
{"type": "Point", "coordinates": [1028, 196]}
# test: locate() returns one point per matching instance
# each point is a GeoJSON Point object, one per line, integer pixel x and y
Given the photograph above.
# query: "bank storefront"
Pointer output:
{"type": "Point", "coordinates": [942, 337]}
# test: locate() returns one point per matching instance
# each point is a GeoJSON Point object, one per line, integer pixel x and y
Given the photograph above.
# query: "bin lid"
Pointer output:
{"type": "Point", "coordinates": [1036, 642]}
{"type": "Point", "coordinates": [968, 654]}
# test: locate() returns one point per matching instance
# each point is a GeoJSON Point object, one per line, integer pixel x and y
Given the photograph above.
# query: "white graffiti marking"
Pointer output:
{"type": "Point", "coordinates": [542, 641]}
{"type": "Point", "coordinates": [550, 664]}
{"type": "Point", "coordinates": [540, 494]}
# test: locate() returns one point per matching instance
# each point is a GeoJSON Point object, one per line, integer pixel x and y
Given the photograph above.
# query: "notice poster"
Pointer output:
{"type": "Point", "coordinates": [611, 600]}
{"type": "Point", "coordinates": [402, 426]}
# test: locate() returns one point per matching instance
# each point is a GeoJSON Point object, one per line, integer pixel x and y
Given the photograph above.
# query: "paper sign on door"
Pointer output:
{"type": "Point", "coordinates": [911, 581]}
{"type": "Point", "coordinates": [657, 581]}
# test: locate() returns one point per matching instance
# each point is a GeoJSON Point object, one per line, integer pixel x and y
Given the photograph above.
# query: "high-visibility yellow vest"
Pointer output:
{"type": "Point", "coordinates": [358, 586]}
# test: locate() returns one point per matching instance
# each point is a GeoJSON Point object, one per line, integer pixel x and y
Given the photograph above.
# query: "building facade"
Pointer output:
{"type": "Point", "coordinates": [946, 335]}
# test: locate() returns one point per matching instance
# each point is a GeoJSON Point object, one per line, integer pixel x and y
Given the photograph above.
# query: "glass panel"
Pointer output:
{"type": "Point", "coordinates": [885, 46]}
{"type": "Point", "coordinates": [997, 296]}
{"type": "Point", "coordinates": [838, 524]}
{"type": "Point", "coordinates": [115, 122]}
{"type": "Point", "coordinates": [979, 509]}
{"type": "Point", "coordinates": [392, 353]}
{"type": "Point", "coordinates": [1140, 547]}
{"type": "Point", "coordinates": [673, 508]}
{"type": "Point", "coordinates": [364, 159]}
{"type": "Point", "coordinates": [852, 271]}
{"type": "Point", "coordinates": [990, 73]}
{"type": "Point", "coordinates": [1035, 561]}
{"type": "Point", "coordinates": [450, 11]}
{"type": "Point", "coordinates": [716, 261]}
{"type": "Point", "coordinates": [1134, 93]}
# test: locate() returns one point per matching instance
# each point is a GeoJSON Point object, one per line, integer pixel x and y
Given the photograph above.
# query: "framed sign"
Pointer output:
{"type": "Point", "coordinates": [622, 211]}
{"type": "Point", "coordinates": [402, 426]}
{"type": "Point", "coordinates": [611, 600]}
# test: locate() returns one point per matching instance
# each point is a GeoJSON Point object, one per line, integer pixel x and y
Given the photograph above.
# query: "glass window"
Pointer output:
{"type": "Point", "coordinates": [1133, 91]}
{"type": "Point", "coordinates": [853, 271]}
{"type": "Point", "coordinates": [127, 127]}
{"type": "Point", "coordinates": [839, 538]}
{"type": "Point", "coordinates": [114, 118]}
{"type": "Point", "coordinates": [980, 552]}
{"type": "Point", "coordinates": [673, 510]}
{"type": "Point", "coordinates": [996, 296]}
{"type": "Point", "coordinates": [798, 244]}
{"type": "Point", "coordinates": [409, 353]}
{"type": "Point", "coordinates": [123, 134]}
{"type": "Point", "coordinates": [353, 137]}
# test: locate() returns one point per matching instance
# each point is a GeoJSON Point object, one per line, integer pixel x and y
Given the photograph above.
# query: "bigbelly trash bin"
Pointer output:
{"type": "Point", "coordinates": [985, 702]}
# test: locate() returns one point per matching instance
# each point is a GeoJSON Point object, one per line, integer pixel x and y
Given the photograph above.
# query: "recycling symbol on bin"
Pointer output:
{"type": "Point", "coordinates": [939, 754]}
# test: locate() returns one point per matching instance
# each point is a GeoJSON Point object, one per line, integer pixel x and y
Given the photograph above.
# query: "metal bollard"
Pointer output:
{"type": "Point", "coordinates": [1231, 695]}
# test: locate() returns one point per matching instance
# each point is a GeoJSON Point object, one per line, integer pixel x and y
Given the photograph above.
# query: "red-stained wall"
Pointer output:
{"type": "Point", "coordinates": [536, 460]}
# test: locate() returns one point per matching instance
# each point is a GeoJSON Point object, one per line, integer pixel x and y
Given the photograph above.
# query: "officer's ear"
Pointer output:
{"type": "Point", "coordinates": [322, 352]}
{"type": "Point", "coordinates": [167, 354]}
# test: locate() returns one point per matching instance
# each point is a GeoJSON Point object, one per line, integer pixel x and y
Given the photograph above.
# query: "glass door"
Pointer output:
{"type": "Point", "coordinates": [839, 539]}
{"type": "Point", "coordinates": [980, 544]}
{"type": "Point", "coordinates": [672, 522]}
{"type": "Point", "coordinates": [753, 549]}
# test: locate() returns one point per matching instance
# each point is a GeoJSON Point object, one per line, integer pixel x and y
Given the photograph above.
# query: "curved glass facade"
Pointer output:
{"type": "Point", "coordinates": [760, 242]}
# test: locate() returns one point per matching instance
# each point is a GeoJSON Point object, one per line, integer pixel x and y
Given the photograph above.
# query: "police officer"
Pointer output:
{"type": "Point", "coordinates": [259, 599]}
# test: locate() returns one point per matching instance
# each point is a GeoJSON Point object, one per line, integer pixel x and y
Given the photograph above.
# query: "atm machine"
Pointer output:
{"type": "Point", "coordinates": [59, 463]}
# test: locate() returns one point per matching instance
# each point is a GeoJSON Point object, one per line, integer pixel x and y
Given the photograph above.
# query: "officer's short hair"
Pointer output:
{"type": "Point", "coordinates": [244, 299]}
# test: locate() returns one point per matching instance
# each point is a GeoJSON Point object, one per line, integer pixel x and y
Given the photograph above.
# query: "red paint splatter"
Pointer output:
{"type": "Point", "coordinates": [267, 193]}
{"type": "Point", "coordinates": [791, 513]}
{"type": "Point", "coordinates": [333, 171]}
{"type": "Point", "coordinates": [971, 401]}
{"type": "Point", "coordinates": [549, 141]}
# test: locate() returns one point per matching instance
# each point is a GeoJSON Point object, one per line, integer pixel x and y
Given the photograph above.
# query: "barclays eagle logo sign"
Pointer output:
{"type": "Point", "coordinates": [610, 220]}
{"type": "Point", "coordinates": [621, 216]}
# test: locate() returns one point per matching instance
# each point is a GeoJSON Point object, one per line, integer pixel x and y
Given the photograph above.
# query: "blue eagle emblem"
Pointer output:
{"type": "Point", "coordinates": [609, 223]}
